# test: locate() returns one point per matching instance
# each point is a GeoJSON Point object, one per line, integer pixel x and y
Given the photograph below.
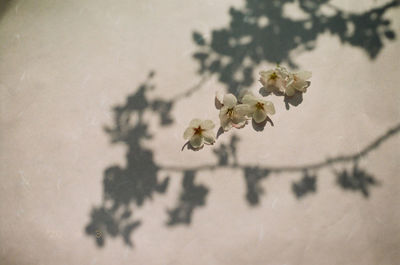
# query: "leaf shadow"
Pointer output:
{"type": "Point", "coordinates": [261, 32]}
{"type": "Point", "coordinates": [258, 33]}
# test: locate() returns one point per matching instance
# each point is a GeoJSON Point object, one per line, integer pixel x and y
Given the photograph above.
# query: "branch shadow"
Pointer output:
{"type": "Point", "coordinates": [257, 33]}
{"type": "Point", "coordinates": [191, 197]}
{"type": "Point", "coordinates": [262, 32]}
{"type": "Point", "coordinates": [356, 180]}
{"type": "Point", "coordinates": [130, 187]}
{"type": "Point", "coordinates": [305, 186]}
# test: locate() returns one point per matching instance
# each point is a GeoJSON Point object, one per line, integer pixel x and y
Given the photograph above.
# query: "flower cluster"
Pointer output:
{"type": "Point", "coordinates": [235, 112]}
{"type": "Point", "coordinates": [282, 81]}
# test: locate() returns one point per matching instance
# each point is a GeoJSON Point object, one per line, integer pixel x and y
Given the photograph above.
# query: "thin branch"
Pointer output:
{"type": "Point", "coordinates": [193, 89]}
{"type": "Point", "coordinates": [315, 166]}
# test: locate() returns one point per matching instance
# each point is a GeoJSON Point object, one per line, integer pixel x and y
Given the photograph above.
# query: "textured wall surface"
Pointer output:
{"type": "Point", "coordinates": [94, 102]}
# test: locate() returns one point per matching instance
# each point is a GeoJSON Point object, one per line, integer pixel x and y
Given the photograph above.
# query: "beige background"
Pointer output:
{"type": "Point", "coordinates": [65, 64]}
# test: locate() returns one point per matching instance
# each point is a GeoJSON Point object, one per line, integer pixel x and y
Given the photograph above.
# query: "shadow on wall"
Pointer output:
{"type": "Point", "coordinates": [4, 6]}
{"type": "Point", "coordinates": [263, 31]}
{"type": "Point", "coordinates": [129, 187]}
{"type": "Point", "coordinates": [260, 32]}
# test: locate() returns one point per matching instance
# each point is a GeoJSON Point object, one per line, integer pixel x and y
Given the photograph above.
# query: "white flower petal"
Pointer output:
{"type": "Point", "coordinates": [300, 85]}
{"type": "Point", "coordinates": [266, 74]}
{"type": "Point", "coordinates": [259, 116]}
{"type": "Point", "coordinates": [252, 109]}
{"type": "Point", "coordinates": [242, 109]}
{"type": "Point", "coordinates": [269, 107]}
{"type": "Point", "coordinates": [196, 141]}
{"type": "Point", "coordinates": [271, 82]}
{"type": "Point", "coordinates": [290, 91]}
{"type": "Point", "coordinates": [249, 100]}
{"type": "Point", "coordinates": [289, 80]}
{"type": "Point", "coordinates": [207, 124]}
{"type": "Point", "coordinates": [280, 84]}
{"type": "Point", "coordinates": [188, 133]}
{"type": "Point", "coordinates": [227, 125]}
{"type": "Point", "coordinates": [305, 75]}
{"type": "Point", "coordinates": [219, 96]}
{"type": "Point", "coordinates": [195, 123]}
{"type": "Point", "coordinates": [229, 100]}
{"type": "Point", "coordinates": [238, 120]}
{"type": "Point", "coordinates": [223, 112]}
{"type": "Point", "coordinates": [282, 72]}
{"type": "Point", "coordinates": [240, 124]}
{"type": "Point", "coordinates": [243, 93]}
{"type": "Point", "coordinates": [225, 121]}
{"type": "Point", "coordinates": [209, 137]}
{"type": "Point", "coordinates": [263, 81]}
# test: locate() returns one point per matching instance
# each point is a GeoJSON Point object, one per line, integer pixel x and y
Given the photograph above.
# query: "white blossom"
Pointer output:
{"type": "Point", "coordinates": [258, 107]}
{"type": "Point", "coordinates": [199, 133]}
{"type": "Point", "coordinates": [232, 114]}
{"type": "Point", "coordinates": [281, 80]}
{"type": "Point", "coordinates": [275, 80]}
{"type": "Point", "coordinates": [298, 81]}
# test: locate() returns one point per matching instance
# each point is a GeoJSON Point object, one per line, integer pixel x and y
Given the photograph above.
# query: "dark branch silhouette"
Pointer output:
{"type": "Point", "coordinates": [192, 196]}
{"type": "Point", "coordinates": [261, 32]}
{"type": "Point", "coordinates": [356, 180]}
{"type": "Point", "coordinates": [305, 186]}
{"type": "Point", "coordinates": [256, 34]}
{"type": "Point", "coordinates": [301, 168]}
{"type": "Point", "coordinates": [126, 188]}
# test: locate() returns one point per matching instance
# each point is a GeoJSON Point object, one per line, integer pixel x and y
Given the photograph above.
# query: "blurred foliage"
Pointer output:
{"type": "Point", "coordinates": [263, 32]}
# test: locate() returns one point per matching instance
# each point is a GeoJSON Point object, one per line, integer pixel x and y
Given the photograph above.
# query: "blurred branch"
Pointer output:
{"type": "Point", "coordinates": [191, 90]}
{"type": "Point", "coordinates": [314, 166]}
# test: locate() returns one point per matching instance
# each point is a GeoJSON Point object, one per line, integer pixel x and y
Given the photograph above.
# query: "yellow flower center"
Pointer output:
{"type": "Point", "coordinates": [198, 130]}
{"type": "Point", "coordinates": [260, 105]}
{"type": "Point", "coordinates": [273, 76]}
{"type": "Point", "coordinates": [229, 112]}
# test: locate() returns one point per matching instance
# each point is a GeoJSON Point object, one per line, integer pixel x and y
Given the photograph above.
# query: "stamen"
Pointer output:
{"type": "Point", "coordinates": [198, 130]}
{"type": "Point", "coordinates": [229, 112]}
